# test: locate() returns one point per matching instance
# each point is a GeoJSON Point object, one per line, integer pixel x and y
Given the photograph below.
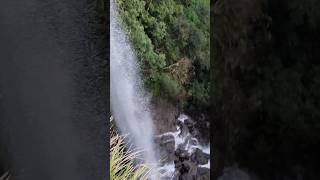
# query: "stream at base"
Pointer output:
{"type": "Point", "coordinates": [181, 154]}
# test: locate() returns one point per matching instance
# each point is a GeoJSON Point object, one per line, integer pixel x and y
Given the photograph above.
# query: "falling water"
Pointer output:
{"type": "Point", "coordinates": [129, 102]}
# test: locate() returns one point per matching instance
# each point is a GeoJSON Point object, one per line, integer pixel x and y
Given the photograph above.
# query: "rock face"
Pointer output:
{"type": "Point", "coordinates": [260, 79]}
{"type": "Point", "coordinates": [186, 165]}
{"type": "Point", "coordinates": [165, 146]}
{"type": "Point", "coordinates": [165, 115]}
{"type": "Point", "coordinates": [200, 157]}
{"type": "Point", "coordinates": [183, 149]}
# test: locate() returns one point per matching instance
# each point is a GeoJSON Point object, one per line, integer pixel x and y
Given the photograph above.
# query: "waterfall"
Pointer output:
{"type": "Point", "coordinates": [129, 102]}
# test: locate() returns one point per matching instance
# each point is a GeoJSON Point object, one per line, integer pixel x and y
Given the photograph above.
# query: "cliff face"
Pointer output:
{"type": "Point", "coordinates": [165, 115]}
{"type": "Point", "coordinates": [265, 87]}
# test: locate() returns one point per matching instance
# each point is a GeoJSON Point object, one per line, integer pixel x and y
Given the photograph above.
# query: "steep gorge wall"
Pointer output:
{"type": "Point", "coordinates": [265, 89]}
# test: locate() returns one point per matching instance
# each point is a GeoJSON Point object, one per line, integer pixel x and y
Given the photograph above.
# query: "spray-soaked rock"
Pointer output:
{"type": "Point", "coordinates": [165, 146]}
{"type": "Point", "coordinates": [181, 154]}
{"type": "Point", "coordinates": [185, 169]}
{"type": "Point", "coordinates": [200, 157]}
{"type": "Point", "coordinates": [188, 155]}
{"type": "Point", "coordinates": [164, 116]}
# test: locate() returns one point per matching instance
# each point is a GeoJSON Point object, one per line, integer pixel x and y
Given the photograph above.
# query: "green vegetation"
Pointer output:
{"type": "Point", "coordinates": [171, 39]}
{"type": "Point", "coordinates": [121, 161]}
{"type": "Point", "coordinates": [122, 157]}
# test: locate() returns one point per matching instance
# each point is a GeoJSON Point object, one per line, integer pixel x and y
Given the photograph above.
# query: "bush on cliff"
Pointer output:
{"type": "Point", "coordinates": [166, 34]}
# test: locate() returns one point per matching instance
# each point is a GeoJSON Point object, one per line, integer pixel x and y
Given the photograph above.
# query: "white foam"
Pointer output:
{"type": "Point", "coordinates": [167, 167]}
{"type": "Point", "coordinates": [167, 170]}
{"type": "Point", "coordinates": [182, 117]}
{"type": "Point", "coordinates": [190, 148]}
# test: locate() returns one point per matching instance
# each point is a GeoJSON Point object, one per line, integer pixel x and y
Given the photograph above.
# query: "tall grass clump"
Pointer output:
{"type": "Point", "coordinates": [122, 164]}
{"type": "Point", "coordinates": [122, 157]}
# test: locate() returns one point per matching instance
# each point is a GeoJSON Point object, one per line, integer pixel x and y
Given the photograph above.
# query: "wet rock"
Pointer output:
{"type": "Point", "coordinates": [193, 141]}
{"type": "Point", "coordinates": [185, 170]}
{"type": "Point", "coordinates": [185, 167]}
{"type": "Point", "coordinates": [157, 140]}
{"type": "Point", "coordinates": [188, 140]}
{"type": "Point", "coordinates": [181, 154]}
{"type": "Point", "coordinates": [164, 115]}
{"type": "Point", "coordinates": [184, 130]}
{"type": "Point", "coordinates": [165, 144]}
{"type": "Point", "coordinates": [177, 164]}
{"type": "Point", "coordinates": [179, 123]}
{"type": "Point", "coordinates": [191, 167]}
{"type": "Point", "coordinates": [189, 123]}
{"type": "Point", "coordinates": [203, 173]}
{"type": "Point", "coordinates": [200, 157]}
{"type": "Point", "coordinates": [176, 175]}
{"type": "Point", "coordinates": [168, 152]}
{"type": "Point", "coordinates": [195, 133]}
{"type": "Point", "coordinates": [186, 158]}
{"type": "Point", "coordinates": [166, 178]}
{"type": "Point", "coordinates": [169, 138]}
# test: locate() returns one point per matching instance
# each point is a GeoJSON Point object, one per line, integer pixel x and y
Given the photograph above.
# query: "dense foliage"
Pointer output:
{"type": "Point", "coordinates": [266, 89]}
{"type": "Point", "coordinates": [171, 39]}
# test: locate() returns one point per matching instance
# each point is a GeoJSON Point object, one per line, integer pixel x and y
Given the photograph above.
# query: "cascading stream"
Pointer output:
{"type": "Point", "coordinates": [129, 101]}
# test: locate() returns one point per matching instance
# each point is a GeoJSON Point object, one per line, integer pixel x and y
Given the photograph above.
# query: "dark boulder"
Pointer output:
{"type": "Point", "coordinates": [200, 157]}
{"type": "Point", "coordinates": [164, 114]}
{"type": "Point", "coordinates": [181, 154]}
{"type": "Point", "coordinates": [165, 145]}
{"type": "Point", "coordinates": [185, 170]}
{"type": "Point", "coordinates": [167, 139]}
{"type": "Point", "coordinates": [193, 141]}
{"type": "Point", "coordinates": [190, 168]}
{"type": "Point", "coordinates": [189, 123]}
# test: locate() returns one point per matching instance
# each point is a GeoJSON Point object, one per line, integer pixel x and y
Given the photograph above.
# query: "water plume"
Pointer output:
{"type": "Point", "coordinates": [129, 102]}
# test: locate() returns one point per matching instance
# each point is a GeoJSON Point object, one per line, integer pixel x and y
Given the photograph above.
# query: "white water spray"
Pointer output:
{"type": "Point", "coordinates": [129, 104]}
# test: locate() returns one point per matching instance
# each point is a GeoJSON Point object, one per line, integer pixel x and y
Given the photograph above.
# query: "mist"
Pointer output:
{"type": "Point", "coordinates": [129, 101]}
